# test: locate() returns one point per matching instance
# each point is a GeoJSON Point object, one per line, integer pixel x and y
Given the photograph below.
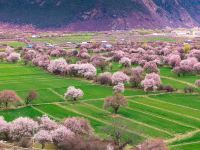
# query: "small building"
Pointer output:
{"type": "Point", "coordinates": [196, 32]}
{"type": "Point", "coordinates": [188, 41]}
{"type": "Point", "coordinates": [182, 32]}
{"type": "Point", "coordinates": [35, 36]}
{"type": "Point", "coordinates": [84, 43]}
{"type": "Point", "coordinates": [107, 46]}
{"type": "Point", "coordinates": [104, 41]}
{"type": "Point", "coordinates": [29, 46]}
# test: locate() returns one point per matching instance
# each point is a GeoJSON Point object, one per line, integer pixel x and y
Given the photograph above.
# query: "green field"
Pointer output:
{"type": "Point", "coordinates": [77, 38]}
{"type": "Point", "coordinates": [14, 44]}
{"type": "Point", "coordinates": [162, 115]}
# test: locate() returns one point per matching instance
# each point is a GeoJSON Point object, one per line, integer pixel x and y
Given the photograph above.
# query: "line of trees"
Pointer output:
{"type": "Point", "coordinates": [11, 97]}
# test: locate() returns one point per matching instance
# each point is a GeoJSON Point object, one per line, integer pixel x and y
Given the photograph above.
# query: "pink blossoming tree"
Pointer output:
{"type": "Point", "coordinates": [8, 96]}
{"type": "Point", "coordinates": [119, 88]}
{"type": "Point", "coordinates": [137, 76]}
{"type": "Point", "coordinates": [174, 60]}
{"type": "Point", "coordinates": [13, 57]}
{"type": "Point", "coordinates": [196, 68]}
{"type": "Point", "coordinates": [58, 66]}
{"type": "Point", "coordinates": [22, 128]}
{"type": "Point", "coordinates": [45, 123]}
{"type": "Point", "coordinates": [151, 82]}
{"type": "Point", "coordinates": [197, 83]}
{"type": "Point", "coordinates": [105, 78]}
{"type": "Point", "coordinates": [60, 134]}
{"type": "Point", "coordinates": [126, 62]}
{"type": "Point", "coordinates": [79, 126]}
{"type": "Point", "coordinates": [43, 137]}
{"type": "Point", "coordinates": [115, 102]}
{"type": "Point", "coordinates": [2, 56]}
{"type": "Point", "coordinates": [4, 128]}
{"type": "Point", "coordinates": [150, 67]}
{"type": "Point", "coordinates": [120, 77]}
{"type": "Point", "coordinates": [73, 93]}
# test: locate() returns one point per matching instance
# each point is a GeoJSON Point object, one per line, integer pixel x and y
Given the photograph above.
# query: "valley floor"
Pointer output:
{"type": "Point", "coordinates": [173, 117]}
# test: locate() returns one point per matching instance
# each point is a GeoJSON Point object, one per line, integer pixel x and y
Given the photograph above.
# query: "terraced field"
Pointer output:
{"type": "Point", "coordinates": [173, 117]}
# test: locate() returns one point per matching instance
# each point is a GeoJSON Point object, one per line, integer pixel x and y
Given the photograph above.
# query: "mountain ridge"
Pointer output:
{"type": "Point", "coordinates": [98, 15]}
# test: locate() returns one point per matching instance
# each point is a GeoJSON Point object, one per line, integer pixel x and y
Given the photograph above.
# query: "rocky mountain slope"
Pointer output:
{"type": "Point", "coordinates": [95, 15]}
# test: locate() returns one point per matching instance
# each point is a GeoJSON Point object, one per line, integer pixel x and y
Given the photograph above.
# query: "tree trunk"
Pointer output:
{"type": "Point", "coordinates": [43, 145]}
{"type": "Point", "coordinates": [6, 104]}
{"type": "Point", "coordinates": [116, 109]}
{"type": "Point", "coordinates": [6, 136]}
{"type": "Point", "coordinates": [102, 69]}
{"type": "Point", "coordinates": [122, 146]}
{"type": "Point", "coordinates": [27, 101]}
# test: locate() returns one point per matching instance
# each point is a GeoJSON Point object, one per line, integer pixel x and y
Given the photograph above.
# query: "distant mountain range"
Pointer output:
{"type": "Point", "coordinates": [96, 15]}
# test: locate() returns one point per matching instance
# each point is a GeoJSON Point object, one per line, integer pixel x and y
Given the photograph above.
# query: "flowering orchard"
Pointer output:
{"type": "Point", "coordinates": [152, 88]}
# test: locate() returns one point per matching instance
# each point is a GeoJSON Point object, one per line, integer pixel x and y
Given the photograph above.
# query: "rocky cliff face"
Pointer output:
{"type": "Point", "coordinates": [101, 14]}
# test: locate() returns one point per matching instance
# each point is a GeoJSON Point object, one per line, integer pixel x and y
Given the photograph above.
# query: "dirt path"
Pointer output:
{"type": "Point", "coordinates": [182, 136]}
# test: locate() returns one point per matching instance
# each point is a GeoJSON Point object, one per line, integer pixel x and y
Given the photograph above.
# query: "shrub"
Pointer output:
{"type": "Point", "coordinates": [167, 88]}
{"type": "Point", "coordinates": [188, 90]}
{"type": "Point", "coordinates": [75, 52]}
{"type": "Point", "coordinates": [187, 48]}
